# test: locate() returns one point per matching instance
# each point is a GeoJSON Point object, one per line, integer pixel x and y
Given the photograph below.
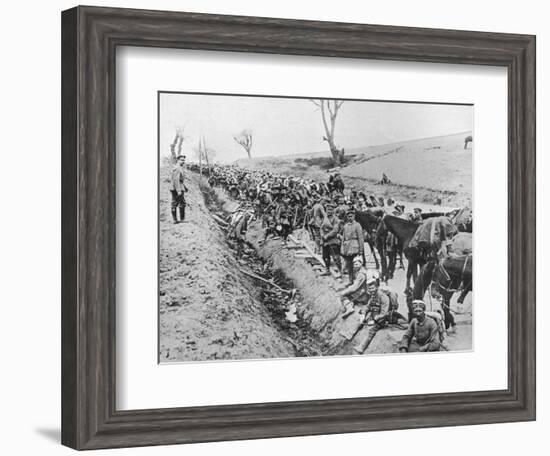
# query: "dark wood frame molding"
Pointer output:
{"type": "Point", "coordinates": [90, 36]}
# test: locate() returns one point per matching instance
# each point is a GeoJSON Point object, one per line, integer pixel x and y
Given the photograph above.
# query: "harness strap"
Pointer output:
{"type": "Point", "coordinates": [464, 269]}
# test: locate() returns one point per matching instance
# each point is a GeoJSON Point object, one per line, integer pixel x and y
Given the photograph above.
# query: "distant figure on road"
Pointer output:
{"type": "Point", "coordinates": [467, 140]}
{"type": "Point", "coordinates": [178, 189]}
{"type": "Point", "coordinates": [338, 183]}
{"type": "Point", "coordinates": [385, 179]}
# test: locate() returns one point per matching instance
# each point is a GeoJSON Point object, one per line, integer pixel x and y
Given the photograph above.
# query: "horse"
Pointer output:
{"type": "Point", "coordinates": [448, 275]}
{"type": "Point", "coordinates": [404, 231]}
{"type": "Point", "coordinates": [369, 221]}
{"type": "Point", "coordinates": [384, 239]}
{"type": "Point", "coordinates": [462, 219]}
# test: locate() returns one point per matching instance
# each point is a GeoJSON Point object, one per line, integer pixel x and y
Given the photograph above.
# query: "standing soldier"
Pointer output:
{"type": "Point", "coordinates": [319, 215]}
{"type": "Point", "coordinates": [352, 242]}
{"type": "Point", "coordinates": [284, 219]}
{"type": "Point", "coordinates": [342, 208]}
{"type": "Point", "coordinates": [417, 215]}
{"type": "Point", "coordinates": [330, 232]}
{"type": "Point", "coordinates": [178, 189]}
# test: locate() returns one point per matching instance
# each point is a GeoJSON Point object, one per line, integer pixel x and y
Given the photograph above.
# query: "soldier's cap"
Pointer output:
{"type": "Point", "coordinates": [180, 156]}
{"type": "Point", "coordinates": [372, 276]}
{"type": "Point", "coordinates": [331, 206]}
{"type": "Point", "coordinates": [419, 303]}
{"type": "Point", "coordinates": [417, 209]}
{"type": "Point", "coordinates": [358, 260]}
{"type": "Point", "coordinates": [350, 211]}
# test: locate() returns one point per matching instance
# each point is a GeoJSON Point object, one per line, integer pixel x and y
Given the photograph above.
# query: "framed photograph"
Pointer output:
{"type": "Point", "coordinates": [269, 227]}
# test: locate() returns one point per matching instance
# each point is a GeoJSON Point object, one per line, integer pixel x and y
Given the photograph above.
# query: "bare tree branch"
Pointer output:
{"type": "Point", "coordinates": [331, 107]}
{"type": "Point", "coordinates": [244, 139]}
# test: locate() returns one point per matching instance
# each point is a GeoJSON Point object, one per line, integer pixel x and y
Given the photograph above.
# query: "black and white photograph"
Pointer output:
{"type": "Point", "coordinates": [309, 227]}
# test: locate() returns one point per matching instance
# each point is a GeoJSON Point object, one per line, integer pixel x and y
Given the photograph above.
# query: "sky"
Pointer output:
{"type": "Point", "coordinates": [287, 126]}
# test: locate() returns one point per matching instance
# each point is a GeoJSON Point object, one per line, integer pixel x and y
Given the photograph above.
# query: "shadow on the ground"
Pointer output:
{"type": "Point", "coordinates": [52, 434]}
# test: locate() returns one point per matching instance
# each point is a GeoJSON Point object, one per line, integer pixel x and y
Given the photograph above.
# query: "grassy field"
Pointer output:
{"type": "Point", "coordinates": [432, 170]}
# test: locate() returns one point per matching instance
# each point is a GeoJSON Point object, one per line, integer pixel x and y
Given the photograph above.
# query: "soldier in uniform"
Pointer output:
{"type": "Point", "coordinates": [356, 293]}
{"type": "Point", "coordinates": [338, 183]}
{"type": "Point", "coordinates": [417, 215]}
{"type": "Point", "coordinates": [423, 334]}
{"type": "Point", "coordinates": [284, 219]}
{"type": "Point", "coordinates": [319, 215]}
{"type": "Point", "coordinates": [178, 189]}
{"type": "Point", "coordinates": [379, 308]}
{"type": "Point", "coordinates": [330, 232]}
{"type": "Point", "coordinates": [352, 242]}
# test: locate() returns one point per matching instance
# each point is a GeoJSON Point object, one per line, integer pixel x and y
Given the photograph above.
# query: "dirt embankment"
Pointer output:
{"type": "Point", "coordinates": [208, 309]}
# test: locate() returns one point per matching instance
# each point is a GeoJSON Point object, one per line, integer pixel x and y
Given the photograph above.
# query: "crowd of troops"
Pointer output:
{"type": "Point", "coordinates": [327, 211]}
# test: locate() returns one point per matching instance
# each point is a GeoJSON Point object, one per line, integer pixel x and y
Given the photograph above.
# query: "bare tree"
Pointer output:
{"type": "Point", "coordinates": [202, 152]}
{"type": "Point", "coordinates": [177, 144]}
{"type": "Point", "coordinates": [208, 153]}
{"type": "Point", "coordinates": [173, 154]}
{"type": "Point", "coordinates": [244, 138]}
{"type": "Point", "coordinates": [329, 111]}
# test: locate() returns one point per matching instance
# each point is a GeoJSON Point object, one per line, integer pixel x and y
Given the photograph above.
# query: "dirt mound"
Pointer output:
{"type": "Point", "coordinates": [208, 309]}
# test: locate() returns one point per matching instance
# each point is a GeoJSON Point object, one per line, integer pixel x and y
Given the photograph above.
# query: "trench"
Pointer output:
{"type": "Point", "coordinates": [286, 309]}
{"type": "Point", "coordinates": [320, 320]}
{"type": "Point", "coordinates": [320, 329]}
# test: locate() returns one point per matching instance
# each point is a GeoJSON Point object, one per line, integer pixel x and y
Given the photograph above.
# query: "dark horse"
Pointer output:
{"type": "Point", "coordinates": [448, 276]}
{"type": "Point", "coordinates": [369, 221]}
{"type": "Point", "coordinates": [404, 231]}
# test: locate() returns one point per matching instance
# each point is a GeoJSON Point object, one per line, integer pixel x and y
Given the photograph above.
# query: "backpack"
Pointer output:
{"type": "Point", "coordinates": [394, 303]}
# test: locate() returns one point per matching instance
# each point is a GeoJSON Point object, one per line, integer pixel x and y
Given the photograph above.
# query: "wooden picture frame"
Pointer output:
{"type": "Point", "coordinates": [90, 36]}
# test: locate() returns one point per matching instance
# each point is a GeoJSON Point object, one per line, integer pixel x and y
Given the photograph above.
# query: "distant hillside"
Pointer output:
{"type": "Point", "coordinates": [421, 169]}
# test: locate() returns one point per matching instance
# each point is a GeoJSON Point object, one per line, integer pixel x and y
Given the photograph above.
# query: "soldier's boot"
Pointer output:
{"type": "Point", "coordinates": [174, 216]}
{"type": "Point", "coordinates": [360, 348]}
{"type": "Point", "coordinates": [182, 213]}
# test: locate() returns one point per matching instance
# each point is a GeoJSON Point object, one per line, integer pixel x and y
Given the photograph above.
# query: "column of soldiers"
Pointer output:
{"type": "Point", "coordinates": [285, 203]}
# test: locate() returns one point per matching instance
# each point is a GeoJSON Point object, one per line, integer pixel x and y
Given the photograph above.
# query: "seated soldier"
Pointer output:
{"type": "Point", "coordinates": [356, 293]}
{"type": "Point", "coordinates": [378, 307]}
{"type": "Point", "coordinates": [423, 333]}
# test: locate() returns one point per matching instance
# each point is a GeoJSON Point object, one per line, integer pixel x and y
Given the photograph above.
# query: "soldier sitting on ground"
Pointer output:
{"type": "Point", "coordinates": [423, 332]}
{"type": "Point", "coordinates": [356, 293]}
{"type": "Point", "coordinates": [378, 308]}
